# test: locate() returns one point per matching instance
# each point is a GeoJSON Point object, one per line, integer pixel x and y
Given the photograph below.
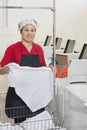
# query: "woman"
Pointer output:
{"type": "Point", "coordinates": [24, 53]}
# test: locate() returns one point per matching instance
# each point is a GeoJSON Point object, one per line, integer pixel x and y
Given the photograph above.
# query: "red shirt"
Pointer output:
{"type": "Point", "coordinates": [15, 51]}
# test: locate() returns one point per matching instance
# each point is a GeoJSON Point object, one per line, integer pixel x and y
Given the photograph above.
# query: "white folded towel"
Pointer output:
{"type": "Point", "coordinates": [8, 126]}
{"type": "Point", "coordinates": [42, 121]}
{"type": "Point", "coordinates": [33, 85]}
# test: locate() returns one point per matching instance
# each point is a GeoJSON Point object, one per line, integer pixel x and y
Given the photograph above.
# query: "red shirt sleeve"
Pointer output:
{"type": "Point", "coordinates": [12, 54]}
{"type": "Point", "coordinates": [8, 56]}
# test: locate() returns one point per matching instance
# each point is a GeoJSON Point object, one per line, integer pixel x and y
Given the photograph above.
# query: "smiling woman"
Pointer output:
{"type": "Point", "coordinates": [25, 53]}
{"type": "Point", "coordinates": [26, 46]}
{"type": "Point", "coordinates": [28, 33]}
{"type": "Point", "coordinates": [28, 30]}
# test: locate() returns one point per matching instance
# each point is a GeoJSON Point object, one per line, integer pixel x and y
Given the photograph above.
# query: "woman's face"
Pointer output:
{"type": "Point", "coordinates": [28, 33]}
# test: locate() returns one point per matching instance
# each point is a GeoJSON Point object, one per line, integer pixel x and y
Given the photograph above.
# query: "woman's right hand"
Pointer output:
{"type": "Point", "coordinates": [51, 66]}
{"type": "Point", "coordinates": [4, 70]}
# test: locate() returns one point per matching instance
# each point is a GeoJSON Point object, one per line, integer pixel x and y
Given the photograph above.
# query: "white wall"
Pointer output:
{"type": "Point", "coordinates": [72, 20]}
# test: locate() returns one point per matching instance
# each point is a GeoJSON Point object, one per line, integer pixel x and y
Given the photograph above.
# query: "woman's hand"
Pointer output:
{"type": "Point", "coordinates": [4, 70]}
{"type": "Point", "coordinates": [51, 66]}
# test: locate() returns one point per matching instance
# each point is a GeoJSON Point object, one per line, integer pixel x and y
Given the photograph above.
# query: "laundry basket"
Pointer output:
{"type": "Point", "coordinates": [42, 121]}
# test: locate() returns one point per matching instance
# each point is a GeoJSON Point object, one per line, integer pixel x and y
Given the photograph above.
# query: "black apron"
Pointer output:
{"type": "Point", "coordinates": [15, 107]}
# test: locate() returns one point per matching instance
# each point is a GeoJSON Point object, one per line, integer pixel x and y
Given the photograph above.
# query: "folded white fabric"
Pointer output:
{"type": "Point", "coordinates": [42, 121]}
{"type": "Point", "coordinates": [8, 126]}
{"type": "Point", "coordinates": [33, 85]}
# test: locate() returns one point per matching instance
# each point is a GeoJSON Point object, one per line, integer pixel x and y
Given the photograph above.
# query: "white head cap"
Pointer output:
{"type": "Point", "coordinates": [28, 21]}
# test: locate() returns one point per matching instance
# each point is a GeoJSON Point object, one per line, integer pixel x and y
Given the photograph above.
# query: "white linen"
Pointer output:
{"type": "Point", "coordinates": [33, 85]}
{"type": "Point", "coordinates": [8, 126]}
{"type": "Point", "coordinates": [42, 121]}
